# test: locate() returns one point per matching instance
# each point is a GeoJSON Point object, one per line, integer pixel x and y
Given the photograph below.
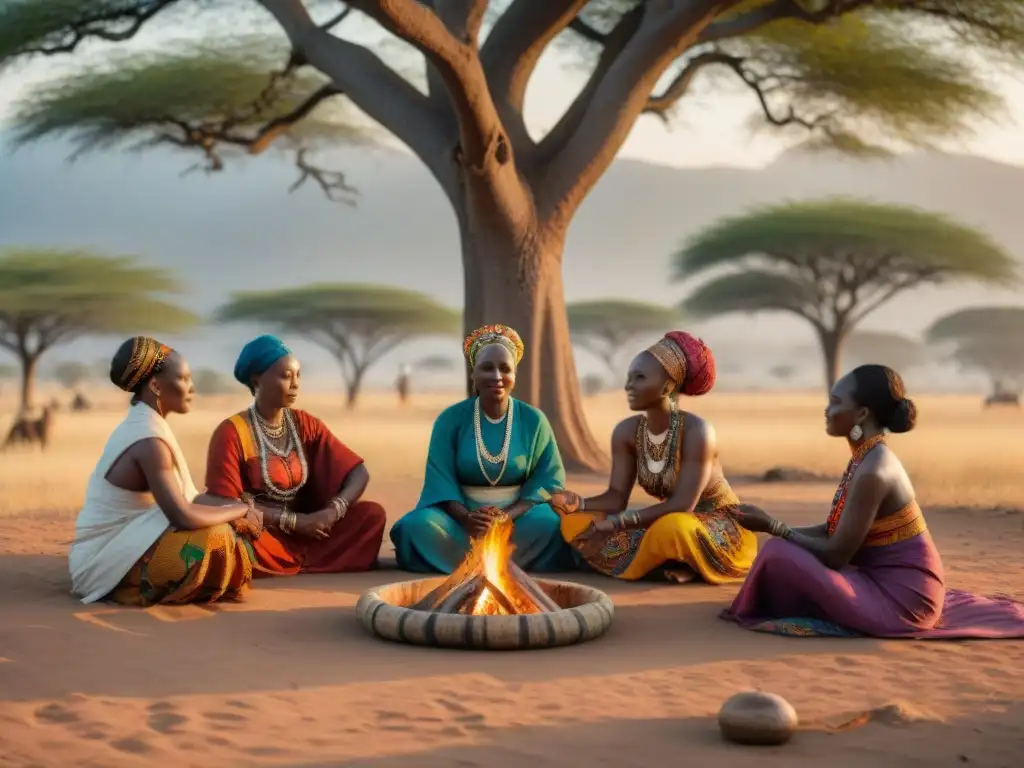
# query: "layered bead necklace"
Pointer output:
{"type": "Point", "coordinates": [482, 454]}
{"type": "Point", "coordinates": [656, 455]}
{"type": "Point", "coordinates": [267, 438]}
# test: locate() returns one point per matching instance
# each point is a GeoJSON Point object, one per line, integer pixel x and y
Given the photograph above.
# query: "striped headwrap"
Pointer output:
{"type": "Point", "coordinates": [493, 334]}
{"type": "Point", "coordinates": [688, 362]}
{"type": "Point", "coordinates": [147, 359]}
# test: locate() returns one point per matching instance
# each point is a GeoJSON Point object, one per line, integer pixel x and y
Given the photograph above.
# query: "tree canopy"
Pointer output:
{"type": "Point", "coordinates": [50, 297]}
{"type": "Point", "coordinates": [831, 262]}
{"type": "Point", "coordinates": [985, 339]}
{"type": "Point", "coordinates": [858, 75]}
{"type": "Point", "coordinates": [71, 374]}
{"type": "Point", "coordinates": [605, 327]}
{"type": "Point", "coordinates": [356, 323]}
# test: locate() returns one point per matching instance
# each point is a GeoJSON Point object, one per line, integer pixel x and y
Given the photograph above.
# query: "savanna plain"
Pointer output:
{"type": "Point", "coordinates": [288, 678]}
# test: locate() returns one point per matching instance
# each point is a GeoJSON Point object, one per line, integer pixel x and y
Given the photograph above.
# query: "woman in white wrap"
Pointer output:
{"type": "Point", "coordinates": [141, 539]}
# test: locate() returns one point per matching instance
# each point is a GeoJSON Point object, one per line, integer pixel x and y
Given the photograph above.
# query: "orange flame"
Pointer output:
{"type": "Point", "coordinates": [492, 552]}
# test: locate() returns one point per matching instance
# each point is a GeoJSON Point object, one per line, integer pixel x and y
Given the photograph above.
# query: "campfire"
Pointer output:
{"type": "Point", "coordinates": [488, 583]}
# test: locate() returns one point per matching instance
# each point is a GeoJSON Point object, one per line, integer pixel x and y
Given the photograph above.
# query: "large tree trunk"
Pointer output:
{"type": "Point", "coordinates": [831, 343]}
{"type": "Point", "coordinates": [353, 387]}
{"type": "Point", "coordinates": [521, 285]}
{"type": "Point", "coordinates": [28, 381]}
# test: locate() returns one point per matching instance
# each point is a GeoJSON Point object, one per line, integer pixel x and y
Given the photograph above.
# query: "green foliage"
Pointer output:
{"type": "Point", "coordinates": [71, 374]}
{"type": "Point", "coordinates": [892, 349]}
{"type": "Point", "coordinates": [606, 326]}
{"type": "Point", "coordinates": [50, 297]}
{"type": "Point", "coordinates": [179, 97]}
{"type": "Point", "coordinates": [986, 339]}
{"type": "Point", "coordinates": [892, 74]}
{"type": "Point", "coordinates": [210, 382]}
{"type": "Point", "coordinates": [831, 262]}
{"type": "Point", "coordinates": [356, 323]}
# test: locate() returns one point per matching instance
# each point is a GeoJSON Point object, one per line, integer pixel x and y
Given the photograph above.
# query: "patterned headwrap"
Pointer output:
{"type": "Point", "coordinates": [688, 362]}
{"type": "Point", "coordinates": [147, 359]}
{"type": "Point", "coordinates": [493, 334]}
{"type": "Point", "coordinates": [257, 356]}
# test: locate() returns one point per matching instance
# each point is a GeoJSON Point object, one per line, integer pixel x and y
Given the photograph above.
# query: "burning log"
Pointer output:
{"type": "Point", "coordinates": [488, 582]}
{"type": "Point", "coordinates": [468, 590]}
{"type": "Point", "coordinates": [539, 597]}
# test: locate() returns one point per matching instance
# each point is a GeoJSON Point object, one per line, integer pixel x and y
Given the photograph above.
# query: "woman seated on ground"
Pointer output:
{"type": "Point", "coordinates": [140, 539]}
{"type": "Point", "coordinates": [306, 481]}
{"type": "Point", "coordinates": [872, 568]}
{"type": "Point", "coordinates": [673, 456]}
{"type": "Point", "coordinates": [490, 456]}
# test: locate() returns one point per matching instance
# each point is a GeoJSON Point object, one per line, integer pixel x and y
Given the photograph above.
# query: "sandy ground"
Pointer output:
{"type": "Point", "coordinates": [290, 679]}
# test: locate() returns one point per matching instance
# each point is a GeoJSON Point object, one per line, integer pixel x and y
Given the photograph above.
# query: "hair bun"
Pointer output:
{"type": "Point", "coordinates": [904, 416]}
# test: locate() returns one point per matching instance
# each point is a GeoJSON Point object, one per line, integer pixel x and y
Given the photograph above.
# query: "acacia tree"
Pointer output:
{"type": "Point", "coordinates": [831, 263]}
{"type": "Point", "coordinates": [51, 298]}
{"type": "Point", "coordinates": [357, 324]}
{"type": "Point", "coordinates": [985, 339]}
{"type": "Point", "coordinates": [849, 73]}
{"type": "Point", "coordinates": [71, 374]}
{"type": "Point", "coordinates": [604, 327]}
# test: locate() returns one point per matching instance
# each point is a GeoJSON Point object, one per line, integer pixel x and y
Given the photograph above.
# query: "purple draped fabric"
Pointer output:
{"type": "Point", "coordinates": [892, 591]}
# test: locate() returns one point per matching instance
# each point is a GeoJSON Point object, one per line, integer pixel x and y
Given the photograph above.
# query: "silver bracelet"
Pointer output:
{"type": "Point", "coordinates": [583, 504]}
{"type": "Point", "coordinates": [779, 529]}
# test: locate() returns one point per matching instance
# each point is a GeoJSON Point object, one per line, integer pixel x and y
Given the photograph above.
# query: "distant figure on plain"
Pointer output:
{"type": "Point", "coordinates": [402, 383]}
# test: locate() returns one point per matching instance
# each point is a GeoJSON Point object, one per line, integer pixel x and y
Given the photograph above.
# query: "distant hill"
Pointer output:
{"type": "Point", "coordinates": [241, 230]}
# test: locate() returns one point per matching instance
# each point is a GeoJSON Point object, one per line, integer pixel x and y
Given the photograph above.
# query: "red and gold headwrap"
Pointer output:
{"type": "Point", "coordinates": [688, 362]}
{"type": "Point", "coordinates": [148, 356]}
{"type": "Point", "coordinates": [493, 334]}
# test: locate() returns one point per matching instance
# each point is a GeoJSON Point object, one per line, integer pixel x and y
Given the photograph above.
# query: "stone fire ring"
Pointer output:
{"type": "Point", "coordinates": [586, 614]}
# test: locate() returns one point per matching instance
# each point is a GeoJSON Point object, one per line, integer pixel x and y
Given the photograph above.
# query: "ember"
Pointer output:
{"type": "Point", "coordinates": [488, 583]}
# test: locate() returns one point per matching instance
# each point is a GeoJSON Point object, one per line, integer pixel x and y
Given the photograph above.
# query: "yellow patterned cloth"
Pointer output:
{"type": "Point", "coordinates": [201, 566]}
{"type": "Point", "coordinates": [707, 540]}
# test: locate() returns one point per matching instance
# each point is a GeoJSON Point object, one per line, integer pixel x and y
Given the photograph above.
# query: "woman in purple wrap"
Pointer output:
{"type": "Point", "coordinates": [872, 569]}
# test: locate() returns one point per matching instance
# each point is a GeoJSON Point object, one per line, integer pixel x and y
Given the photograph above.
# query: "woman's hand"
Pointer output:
{"type": "Point", "coordinates": [565, 502]}
{"type": "Point", "coordinates": [479, 521]}
{"type": "Point", "coordinates": [592, 540]}
{"type": "Point", "coordinates": [753, 518]}
{"type": "Point", "coordinates": [315, 526]}
{"type": "Point", "coordinates": [250, 524]}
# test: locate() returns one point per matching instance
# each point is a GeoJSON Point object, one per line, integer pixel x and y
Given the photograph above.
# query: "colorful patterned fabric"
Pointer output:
{"type": "Point", "coordinates": [201, 566]}
{"type": "Point", "coordinates": [493, 334]}
{"type": "Point", "coordinates": [148, 356]}
{"type": "Point", "coordinates": [839, 499]}
{"type": "Point", "coordinates": [803, 628]}
{"type": "Point", "coordinates": [688, 362]}
{"type": "Point", "coordinates": [428, 540]}
{"type": "Point", "coordinates": [233, 467]}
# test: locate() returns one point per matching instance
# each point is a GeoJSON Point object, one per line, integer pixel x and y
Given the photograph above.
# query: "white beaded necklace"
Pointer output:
{"type": "Point", "coordinates": [482, 454]}
{"type": "Point", "coordinates": [267, 447]}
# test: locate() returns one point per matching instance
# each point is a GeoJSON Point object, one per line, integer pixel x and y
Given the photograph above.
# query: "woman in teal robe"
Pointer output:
{"type": "Point", "coordinates": [464, 487]}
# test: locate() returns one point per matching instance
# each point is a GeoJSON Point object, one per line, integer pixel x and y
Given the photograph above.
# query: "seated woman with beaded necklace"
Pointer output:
{"type": "Point", "coordinates": [489, 456]}
{"type": "Point", "coordinates": [673, 456]}
{"type": "Point", "coordinates": [307, 482]}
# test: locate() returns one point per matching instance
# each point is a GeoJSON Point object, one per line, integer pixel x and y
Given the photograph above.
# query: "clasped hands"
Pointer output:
{"type": "Point", "coordinates": [478, 521]}
{"type": "Point", "coordinates": [317, 525]}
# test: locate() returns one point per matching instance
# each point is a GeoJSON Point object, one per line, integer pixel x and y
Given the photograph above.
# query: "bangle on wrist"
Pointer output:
{"type": "Point", "coordinates": [340, 507]}
{"type": "Point", "coordinates": [583, 504]}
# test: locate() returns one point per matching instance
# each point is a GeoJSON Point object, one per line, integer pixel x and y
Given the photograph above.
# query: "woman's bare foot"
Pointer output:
{"type": "Point", "coordinates": [679, 576]}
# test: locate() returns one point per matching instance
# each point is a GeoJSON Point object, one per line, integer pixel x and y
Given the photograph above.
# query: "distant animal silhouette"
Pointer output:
{"type": "Point", "coordinates": [1003, 398]}
{"type": "Point", "coordinates": [26, 431]}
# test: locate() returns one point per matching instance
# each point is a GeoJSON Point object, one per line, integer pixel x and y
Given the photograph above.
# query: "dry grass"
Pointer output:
{"type": "Point", "coordinates": [960, 455]}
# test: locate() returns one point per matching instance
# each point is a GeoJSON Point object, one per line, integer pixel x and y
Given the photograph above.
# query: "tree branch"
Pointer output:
{"type": "Point", "coordinates": [746, 23]}
{"type": "Point", "coordinates": [665, 31]}
{"type": "Point", "coordinates": [572, 119]}
{"type": "Point", "coordinates": [372, 86]}
{"type": "Point", "coordinates": [97, 26]}
{"type": "Point", "coordinates": [518, 40]}
{"type": "Point", "coordinates": [660, 104]}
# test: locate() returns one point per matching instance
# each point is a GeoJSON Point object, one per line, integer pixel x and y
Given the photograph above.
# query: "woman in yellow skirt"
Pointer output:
{"type": "Point", "coordinates": [691, 533]}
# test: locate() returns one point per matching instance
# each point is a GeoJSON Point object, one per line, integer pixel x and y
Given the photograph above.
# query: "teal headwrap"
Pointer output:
{"type": "Point", "coordinates": [257, 356]}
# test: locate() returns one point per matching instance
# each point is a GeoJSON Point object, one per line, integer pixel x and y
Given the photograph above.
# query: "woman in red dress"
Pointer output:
{"type": "Point", "coordinates": [307, 482]}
